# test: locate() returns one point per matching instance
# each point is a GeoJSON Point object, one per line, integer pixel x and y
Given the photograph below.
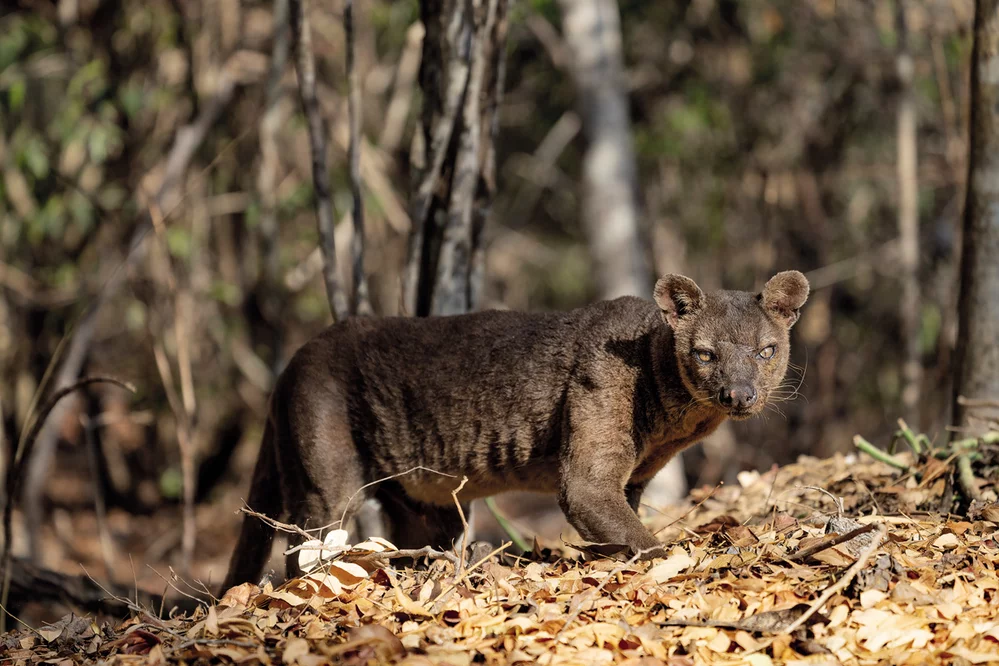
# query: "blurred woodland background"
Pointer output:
{"type": "Point", "coordinates": [819, 135]}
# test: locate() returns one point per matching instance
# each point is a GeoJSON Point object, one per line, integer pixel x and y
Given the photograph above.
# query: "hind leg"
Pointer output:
{"type": "Point", "coordinates": [412, 524]}
{"type": "Point", "coordinates": [322, 474]}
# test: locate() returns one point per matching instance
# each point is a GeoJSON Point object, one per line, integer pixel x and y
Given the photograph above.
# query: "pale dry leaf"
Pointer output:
{"type": "Point", "coordinates": [294, 649]}
{"type": "Point", "coordinates": [671, 566]}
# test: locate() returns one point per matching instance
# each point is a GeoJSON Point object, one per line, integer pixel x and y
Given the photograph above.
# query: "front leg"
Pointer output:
{"type": "Point", "coordinates": [592, 494]}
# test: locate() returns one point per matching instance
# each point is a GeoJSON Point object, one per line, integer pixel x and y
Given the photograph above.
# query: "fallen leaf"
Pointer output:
{"type": "Point", "coordinates": [671, 566]}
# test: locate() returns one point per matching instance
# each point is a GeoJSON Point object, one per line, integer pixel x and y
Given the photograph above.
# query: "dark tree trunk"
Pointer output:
{"type": "Point", "coordinates": [461, 77]}
{"type": "Point", "coordinates": [977, 359]}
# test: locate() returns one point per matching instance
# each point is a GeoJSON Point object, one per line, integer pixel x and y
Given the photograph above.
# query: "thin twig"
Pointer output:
{"type": "Point", "coordinates": [850, 574]}
{"type": "Point", "coordinates": [305, 65]}
{"type": "Point", "coordinates": [276, 524]}
{"type": "Point", "coordinates": [464, 526]}
{"type": "Point", "coordinates": [185, 445]}
{"type": "Point", "coordinates": [181, 402]}
{"type": "Point", "coordinates": [361, 302]}
{"type": "Point", "coordinates": [350, 499]}
{"type": "Point", "coordinates": [689, 511]}
{"type": "Point", "coordinates": [402, 93]}
{"type": "Point", "coordinates": [977, 403]}
{"type": "Point", "coordinates": [908, 218]}
{"type": "Point", "coordinates": [176, 589]}
{"type": "Point", "coordinates": [270, 160]}
{"type": "Point", "coordinates": [132, 606]}
{"type": "Point", "coordinates": [93, 460]}
{"type": "Point", "coordinates": [465, 574]}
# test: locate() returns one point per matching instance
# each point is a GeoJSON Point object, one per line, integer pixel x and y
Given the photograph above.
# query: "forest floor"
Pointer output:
{"type": "Point", "coordinates": [844, 560]}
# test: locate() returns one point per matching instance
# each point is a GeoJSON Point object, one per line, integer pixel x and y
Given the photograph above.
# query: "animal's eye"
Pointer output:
{"type": "Point", "coordinates": [768, 351]}
{"type": "Point", "coordinates": [704, 356]}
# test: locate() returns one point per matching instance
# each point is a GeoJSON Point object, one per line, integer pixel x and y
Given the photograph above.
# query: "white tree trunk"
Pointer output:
{"type": "Point", "coordinates": [592, 30]}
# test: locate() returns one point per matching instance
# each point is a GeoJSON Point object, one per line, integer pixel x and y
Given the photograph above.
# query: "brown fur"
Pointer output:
{"type": "Point", "coordinates": [587, 404]}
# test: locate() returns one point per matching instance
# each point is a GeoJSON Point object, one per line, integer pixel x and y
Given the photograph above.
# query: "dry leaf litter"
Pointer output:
{"type": "Point", "coordinates": [748, 580]}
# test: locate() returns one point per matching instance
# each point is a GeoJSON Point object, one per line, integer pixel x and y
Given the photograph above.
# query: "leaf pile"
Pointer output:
{"type": "Point", "coordinates": [745, 565]}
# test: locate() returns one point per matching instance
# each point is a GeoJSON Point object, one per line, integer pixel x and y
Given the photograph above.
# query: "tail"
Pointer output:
{"type": "Point", "coordinates": [255, 538]}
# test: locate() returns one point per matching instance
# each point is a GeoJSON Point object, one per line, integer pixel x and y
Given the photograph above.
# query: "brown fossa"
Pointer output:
{"type": "Point", "coordinates": [587, 405]}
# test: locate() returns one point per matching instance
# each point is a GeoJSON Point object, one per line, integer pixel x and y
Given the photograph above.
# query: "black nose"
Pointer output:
{"type": "Point", "coordinates": [739, 397]}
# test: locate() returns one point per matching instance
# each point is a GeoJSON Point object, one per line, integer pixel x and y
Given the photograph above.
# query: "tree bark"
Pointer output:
{"type": "Point", "coordinates": [592, 30]}
{"type": "Point", "coordinates": [461, 77]}
{"type": "Point", "coordinates": [977, 358]}
{"type": "Point", "coordinates": [908, 224]}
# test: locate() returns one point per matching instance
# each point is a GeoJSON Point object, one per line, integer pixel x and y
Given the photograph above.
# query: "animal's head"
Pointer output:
{"type": "Point", "coordinates": [732, 347]}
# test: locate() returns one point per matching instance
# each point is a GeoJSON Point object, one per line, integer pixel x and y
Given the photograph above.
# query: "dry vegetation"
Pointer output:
{"type": "Point", "coordinates": [770, 571]}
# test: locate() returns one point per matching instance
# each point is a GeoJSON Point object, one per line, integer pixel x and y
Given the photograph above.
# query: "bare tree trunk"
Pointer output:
{"type": "Point", "coordinates": [977, 353]}
{"type": "Point", "coordinates": [592, 30]}
{"type": "Point", "coordinates": [908, 224]}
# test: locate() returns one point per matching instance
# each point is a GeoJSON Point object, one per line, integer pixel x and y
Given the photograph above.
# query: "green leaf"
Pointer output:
{"type": "Point", "coordinates": [98, 144]}
{"type": "Point", "coordinates": [131, 99]}
{"type": "Point", "coordinates": [224, 292]}
{"type": "Point", "coordinates": [36, 158]}
{"type": "Point", "coordinates": [82, 211]}
{"type": "Point", "coordinates": [179, 242]}
{"type": "Point", "coordinates": [15, 95]}
{"type": "Point", "coordinates": [171, 483]}
{"type": "Point", "coordinates": [111, 197]}
{"type": "Point", "coordinates": [135, 316]}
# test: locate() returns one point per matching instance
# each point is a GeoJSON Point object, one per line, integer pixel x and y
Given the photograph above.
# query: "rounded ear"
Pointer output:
{"type": "Point", "coordinates": [677, 296]}
{"type": "Point", "coordinates": [784, 295]}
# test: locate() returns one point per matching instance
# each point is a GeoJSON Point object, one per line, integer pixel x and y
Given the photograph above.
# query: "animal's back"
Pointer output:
{"type": "Point", "coordinates": [481, 395]}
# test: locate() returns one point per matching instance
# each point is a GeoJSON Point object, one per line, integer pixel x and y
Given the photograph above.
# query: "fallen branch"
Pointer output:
{"type": "Point", "coordinates": [850, 574]}
{"type": "Point", "coordinates": [30, 583]}
{"type": "Point", "coordinates": [829, 542]}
